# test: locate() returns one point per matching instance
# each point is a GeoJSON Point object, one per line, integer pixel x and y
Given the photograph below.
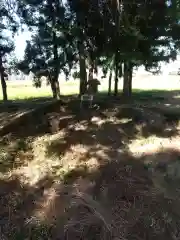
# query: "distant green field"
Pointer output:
{"type": "Point", "coordinates": [25, 89]}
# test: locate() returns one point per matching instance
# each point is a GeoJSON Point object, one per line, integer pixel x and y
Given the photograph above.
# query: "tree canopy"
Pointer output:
{"type": "Point", "coordinates": [8, 27]}
{"type": "Point", "coordinates": [114, 35]}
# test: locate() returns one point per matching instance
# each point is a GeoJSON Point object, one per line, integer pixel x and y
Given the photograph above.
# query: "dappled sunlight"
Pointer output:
{"type": "Point", "coordinates": [112, 168]}
{"type": "Point", "coordinates": [172, 106]}
{"type": "Point", "coordinates": [152, 144]}
{"type": "Point", "coordinates": [91, 144]}
{"type": "Point", "coordinates": [58, 164]}
{"type": "Point", "coordinates": [164, 166]}
{"type": "Point", "coordinates": [177, 96]}
{"type": "Point", "coordinates": [56, 200]}
{"type": "Point", "coordinates": [13, 155]}
{"type": "Point", "coordinates": [79, 126]}
{"type": "Point", "coordinates": [5, 117]}
{"type": "Point", "coordinates": [79, 155]}
{"type": "Point", "coordinates": [98, 121]}
{"type": "Point", "coordinates": [33, 171]}
{"type": "Point", "coordinates": [117, 196]}
{"type": "Point", "coordinates": [48, 209]}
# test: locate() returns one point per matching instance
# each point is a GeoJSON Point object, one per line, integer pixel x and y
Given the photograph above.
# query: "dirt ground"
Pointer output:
{"type": "Point", "coordinates": [111, 172]}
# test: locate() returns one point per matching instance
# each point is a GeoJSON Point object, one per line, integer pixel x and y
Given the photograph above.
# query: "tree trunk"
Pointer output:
{"type": "Point", "coordinates": [81, 52]}
{"type": "Point", "coordinates": [116, 78]}
{"type": "Point", "coordinates": [127, 82]}
{"type": "Point", "coordinates": [55, 88]}
{"type": "Point", "coordinates": [83, 74]}
{"type": "Point", "coordinates": [116, 84]}
{"type": "Point", "coordinates": [91, 67]}
{"type": "Point", "coordinates": [91, 71]}
{"type": "Point", "coordinates": [110, 81]}
{"type": "Point", "coordinates": [54, 78]}
{"type": "Point", "coordinates": [3, 82]}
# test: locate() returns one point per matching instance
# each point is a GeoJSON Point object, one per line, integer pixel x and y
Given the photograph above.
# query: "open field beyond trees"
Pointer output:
{"type": "Point", "coordinates": [111, 172]}
{"type": "Point", "coordinates": [25, 89]}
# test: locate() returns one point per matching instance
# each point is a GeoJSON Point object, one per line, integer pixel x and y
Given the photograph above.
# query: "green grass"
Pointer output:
{"type": "Point", "coordinates": [25, 90]}
{"type": "Point", "coordinates": [19, 90]}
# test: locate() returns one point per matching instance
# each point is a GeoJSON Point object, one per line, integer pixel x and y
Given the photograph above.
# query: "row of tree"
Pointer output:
{"type": "Point", "coordinates": [114, 35]}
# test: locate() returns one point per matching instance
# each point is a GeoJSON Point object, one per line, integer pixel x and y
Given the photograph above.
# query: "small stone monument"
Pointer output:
{"type": "Point", "coordinates": [92, 86]}
{"type": "Point", "coordinates": [92, 89]}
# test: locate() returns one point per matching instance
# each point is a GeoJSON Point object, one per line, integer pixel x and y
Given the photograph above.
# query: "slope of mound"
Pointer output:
{"type": "Point", "coordinates": [100, 175]}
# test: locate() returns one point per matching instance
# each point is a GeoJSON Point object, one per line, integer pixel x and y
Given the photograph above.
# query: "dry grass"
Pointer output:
{"type": "Point", "coordinates": [96, 178]}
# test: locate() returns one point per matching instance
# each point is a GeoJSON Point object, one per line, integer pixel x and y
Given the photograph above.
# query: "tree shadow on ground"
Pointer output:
{"type": "Point", "coordinates": [136, 200]}
{"type": "Point", "coordinates": [109, 127]}
{"type": "Point", "coordinates": [145, 95]}
{"type": "Point", "coordinates": [113, 129]}
{"type": "Point", "coordinates": [108, 135]}
{"type": "Point", "coordinates": [13, 154]}
{"type": "Point", "coordinates": [17, 205]}
{"type": "Point", "coordinates": [109, 193]}
{"type": "Point", "coordinates": [152, 102]}
{"type": "Point", "coordinates": [23, 104]}
{"type": "Point", "coordinates": [15, 110]}
{"type": "Point", "coordinates": [167, 105]}
{"type": "Point", "coordinates": [126, 198]}
{"type": "Point", "coordinates": [34, 120]}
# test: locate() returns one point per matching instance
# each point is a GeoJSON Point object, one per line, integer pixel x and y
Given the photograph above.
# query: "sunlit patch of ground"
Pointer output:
{"type": "Point", "coordinates": [79, 154]}
{"type": "Point", "coordinates": [153, 144]}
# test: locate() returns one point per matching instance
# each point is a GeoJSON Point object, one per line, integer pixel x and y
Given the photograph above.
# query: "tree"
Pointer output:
{"type": "Point", "coordinates": [50, 49]}
{"type": "Point", "coordinates": [124, 34]}
{"type": "Point", "coordinates": [152, 39]}
{"type": "Point", "coordinates": [133, 33]}
{"type": "Point", "coordinates": [8, 25]}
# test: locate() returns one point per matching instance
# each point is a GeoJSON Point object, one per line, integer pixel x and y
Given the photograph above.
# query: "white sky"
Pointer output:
{"type": "Point", "coordinates": [20, 43]}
